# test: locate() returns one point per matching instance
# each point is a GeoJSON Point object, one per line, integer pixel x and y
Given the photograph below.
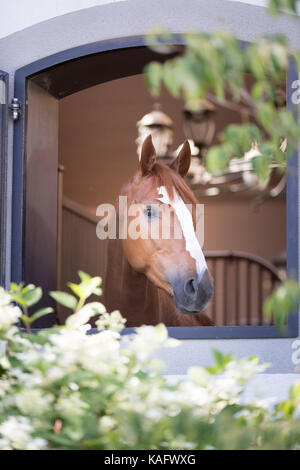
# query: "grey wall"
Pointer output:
{"type": "Point", "coordinates": [136, 17]}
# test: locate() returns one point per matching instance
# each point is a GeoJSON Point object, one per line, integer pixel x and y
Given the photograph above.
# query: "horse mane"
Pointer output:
{"type": "Point", "coordinates": [163, 175]}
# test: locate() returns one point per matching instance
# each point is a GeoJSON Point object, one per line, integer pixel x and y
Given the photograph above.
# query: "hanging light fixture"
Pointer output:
{"type": "Point", "coordinates": [160, 126]}
{"type": "Point", "coordinates": [200, 126]}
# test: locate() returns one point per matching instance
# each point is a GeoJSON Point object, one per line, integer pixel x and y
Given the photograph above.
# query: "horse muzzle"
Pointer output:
{"type": "Point", "coordinates": [192, 296]}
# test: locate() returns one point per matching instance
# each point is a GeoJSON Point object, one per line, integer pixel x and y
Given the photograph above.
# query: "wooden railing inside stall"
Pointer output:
{"type": "Point", "coordinates": [242, 280]}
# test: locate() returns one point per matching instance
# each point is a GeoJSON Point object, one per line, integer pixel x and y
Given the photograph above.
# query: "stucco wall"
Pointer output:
{"type": "Point", "coordinates": [20, 14]}
{"type": "Point", "coordinates": [132, 18]}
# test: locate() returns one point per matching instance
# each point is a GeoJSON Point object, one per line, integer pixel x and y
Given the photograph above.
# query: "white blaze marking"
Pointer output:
{"type": "Point", "coordinates": [185, 219]}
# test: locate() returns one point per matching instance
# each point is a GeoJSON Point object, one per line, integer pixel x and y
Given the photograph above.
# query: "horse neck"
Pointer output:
{"type": "Point", "coordinates": [126, 290]}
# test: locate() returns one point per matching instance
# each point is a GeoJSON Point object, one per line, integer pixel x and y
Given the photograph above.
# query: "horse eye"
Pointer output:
{"type": "Point", "coordinates": [149, 212]}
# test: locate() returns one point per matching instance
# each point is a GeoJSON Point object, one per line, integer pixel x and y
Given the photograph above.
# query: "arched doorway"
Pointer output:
{"type": "Point", "coordinates": [40, 86]}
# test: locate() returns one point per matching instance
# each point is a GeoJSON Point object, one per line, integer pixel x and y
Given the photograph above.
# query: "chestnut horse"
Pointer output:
{"type": "Point", "coordinates": [154, 280]}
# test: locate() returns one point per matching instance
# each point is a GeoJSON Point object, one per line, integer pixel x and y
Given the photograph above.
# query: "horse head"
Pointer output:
{"type": "Point", "coordinates": [159, 238]}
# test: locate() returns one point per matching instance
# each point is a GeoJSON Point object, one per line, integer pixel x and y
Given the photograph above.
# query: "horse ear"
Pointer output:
{"type": "Point", "coordinates": [148, 155]}
{"type": "Point", "coordinates": [183, 160]}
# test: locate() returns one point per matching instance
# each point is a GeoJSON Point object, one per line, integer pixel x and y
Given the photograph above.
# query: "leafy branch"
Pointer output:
{"type": "Point", "coordinates": [82, 311]}
{"type": "Point", "coordinates": [249, 80]}
{"type": "Point", "coordinates": [26, 297]}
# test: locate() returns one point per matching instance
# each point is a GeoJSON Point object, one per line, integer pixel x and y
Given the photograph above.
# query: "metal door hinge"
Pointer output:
{"type": "Point", "coordinates": [15, 109]}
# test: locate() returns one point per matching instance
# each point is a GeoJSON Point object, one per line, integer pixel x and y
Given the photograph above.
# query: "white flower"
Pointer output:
{"type": "Point", "coordinates": [112, 321]}
{"type": "Point", "coordinates": [33, 402]}
{"type": "Point", "coordinates": [106, 424]}
{"type": "Point", "coordinates": [149, 339]}
{"type": "Point", "coordinates": [5, 298]}
{"type": "Point", "coordinates": [99, 353]}
{"type": "Point", "coordinates": [244, 369]}
{"type": "Point", "coordinates": [197, 396]}
{"type": "Point", "coordinates": [199, 375]}
{"type": "Point", "coordinates": [4, 388]}
{"type": "Point", "coordinates": [227, 388]}
{"type": "Point", "coordinates": [5, 445]}
{"type": "Point", "coordinates": [36, 444]}
{"type": "Point", "coordinates": [71, 405]}
{"type": "Point", "coordinates": [55, 373]}
{"type": "Point", "coordinates": [9, 315]}
{"type": "Point", "coordinates": [16, 431]}
{"type": "Point", "coordinates": [30, 356]}
{"type": "Point", "coordinates": [26, 379]}
{"type": "Point", "coordinates": [4, 361]}
{"type": "Point", "coordinates": [155, 414]}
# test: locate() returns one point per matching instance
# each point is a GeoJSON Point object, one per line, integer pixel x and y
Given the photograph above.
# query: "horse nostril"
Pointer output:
{"type": "Point", "coordinates": [190, 287]}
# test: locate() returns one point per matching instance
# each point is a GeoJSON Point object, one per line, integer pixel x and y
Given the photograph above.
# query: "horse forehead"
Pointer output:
{"type": "Point", "coordinates": [176, 202]}
{"type": "Point", "coordinates": [164, 196]}
{"type": "Point", "coordinates": [145, 192]}
{"type": "Point", "coordinates": [178, 206]}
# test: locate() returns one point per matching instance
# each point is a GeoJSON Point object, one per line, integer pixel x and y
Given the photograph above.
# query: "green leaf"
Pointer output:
{"type": "Point", "coordinates": [261, 166]}
{"type": "Point", "coordinates": [154, 75]}
{"type": "Point", "coordinates": [84, 276]}
{"type": "Point", "coordinates": [40, 313]}
{"type": "Point", "coordinates": [25, 319]}
{"type": "Point", "coordinates": [14, 287]}
{"type": "Point", "coordinates": [240, 138]}
{"type": "Point", "coordinates": [283, 300]}
{"type": "Point", "coordinates": [77, 289]}
{"type": "Point", "coordinates": [296, 55]}
{"type": "Point", "coordinates": [18, 299]}
{"type": "Point", "coordinates": [32, 296]}
{"type": "Point", "coordinates": [171, 78]}
{"type": "Point", "coordinates": [217, 159]}
{"type": "Point", "coordinates": [282, 6]}
{"type": "Point", "coordinates": [221, 359]}
{"type": "Point", "coordinates": [64, 298]}
{"type": "Point", "coordinates": [90, 286]}
{"type": "Point", "coordinates": [160, 40]}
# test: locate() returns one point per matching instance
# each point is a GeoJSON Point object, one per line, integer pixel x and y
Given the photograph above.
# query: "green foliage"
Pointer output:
{"type": "Point", "coordinates": [283, 6]}
{"type": "Point", "coordinates": [261, 166]}
{"type": "Point", "coordinates": [26, 297]}
{"type": "Point", "coordinates": [215, 67]}
{"type": "Point", "coordinates": [221, 362]}
{"type": "Point", "coordinates": [38, 314]}
{"type": "Point", "coordinates": [239, 138]}
{"type": "Point", "coordinates": [283, 301]}
{"type": "Point", "coordinates": [217, 159]}
{"type": "Point", "coordinates": [154, 73]}
{"type": "Point", "coordinates": [65, 299]}
{"type": "Point", "coordinates": [83, 315]}
{"type": "Point", "coordinates": [88, 286]}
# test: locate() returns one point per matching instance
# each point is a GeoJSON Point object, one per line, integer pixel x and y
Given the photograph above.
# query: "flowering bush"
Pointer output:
{"type": "Point", "coordinates": [62, 388]}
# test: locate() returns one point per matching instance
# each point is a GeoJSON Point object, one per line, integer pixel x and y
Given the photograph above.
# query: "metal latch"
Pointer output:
{"type": "Point", "coordinates": [15, 109]}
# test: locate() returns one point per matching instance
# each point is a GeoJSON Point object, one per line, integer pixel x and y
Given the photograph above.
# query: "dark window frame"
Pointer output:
{"type": "Point", "coordinates": [214, 332]}
{"type": "Point", "coordinates": [4, 77]}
